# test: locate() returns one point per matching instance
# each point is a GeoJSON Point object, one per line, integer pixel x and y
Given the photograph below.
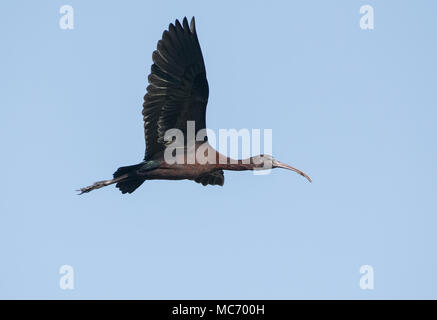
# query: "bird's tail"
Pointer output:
{"type": "Point", "coordinates": [125, 178]}
{"type": "Point", "coordinates": [130, 184]}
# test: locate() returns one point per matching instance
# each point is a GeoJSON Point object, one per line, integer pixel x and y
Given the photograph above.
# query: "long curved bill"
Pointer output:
{"type": "Point", "coordinates": [286, 166]}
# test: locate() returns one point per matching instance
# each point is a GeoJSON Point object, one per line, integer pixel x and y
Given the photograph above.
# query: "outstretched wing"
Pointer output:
{"type": "Point", "coordinates": [178, 89]}
{"type": "Point", "coordinates": [213, 178]}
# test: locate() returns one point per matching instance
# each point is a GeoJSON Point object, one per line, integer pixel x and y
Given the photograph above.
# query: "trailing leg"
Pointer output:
{"type": "Point", "coordinates": [101, 184]}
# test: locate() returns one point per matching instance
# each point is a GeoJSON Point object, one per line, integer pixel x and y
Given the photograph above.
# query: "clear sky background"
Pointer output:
{"type": "Point", "coordinates": [355, 109]}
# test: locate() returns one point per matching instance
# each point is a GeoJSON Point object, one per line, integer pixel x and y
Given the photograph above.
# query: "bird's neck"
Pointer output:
{"type": "Point", "coordinates": [236, 165]}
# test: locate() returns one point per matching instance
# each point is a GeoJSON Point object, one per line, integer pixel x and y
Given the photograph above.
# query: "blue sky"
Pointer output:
{"type": "Point", "coordinates": [355, 109]}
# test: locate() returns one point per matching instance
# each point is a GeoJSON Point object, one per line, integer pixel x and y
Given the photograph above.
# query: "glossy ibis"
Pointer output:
{"type": "Point", "coordinates": [178, 93]}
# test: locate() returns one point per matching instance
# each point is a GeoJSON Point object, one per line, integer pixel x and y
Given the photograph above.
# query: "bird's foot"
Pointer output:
{"type": "Point", "coordinates": [96, 185]}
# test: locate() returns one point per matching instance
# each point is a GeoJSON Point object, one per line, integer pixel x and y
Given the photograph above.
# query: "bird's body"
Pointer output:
{"type": "Point", "coordinates": [176, 96]}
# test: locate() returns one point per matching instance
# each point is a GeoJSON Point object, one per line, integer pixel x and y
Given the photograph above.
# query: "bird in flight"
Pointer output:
{"type": "Point", "coordinates": [177, 94]}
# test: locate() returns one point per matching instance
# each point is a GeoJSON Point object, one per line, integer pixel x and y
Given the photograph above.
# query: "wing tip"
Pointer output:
{"type": "Point", "coordinates": [188, 27]}
{"type": "Point", "coordinates": [185, 24]}
{"type": "Point", "coordinates": [193, 25]}
{"type": "Point", "coordinates": [178, 25]}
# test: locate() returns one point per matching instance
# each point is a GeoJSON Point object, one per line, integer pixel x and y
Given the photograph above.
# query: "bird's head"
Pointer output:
{"type": "Point", "coordinates": [265, 161]}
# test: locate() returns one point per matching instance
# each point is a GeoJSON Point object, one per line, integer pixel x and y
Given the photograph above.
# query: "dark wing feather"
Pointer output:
{"type": "Point", "coordinates": [178, 89]}
{"type": "Point", "coordinates": [213, 178]}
